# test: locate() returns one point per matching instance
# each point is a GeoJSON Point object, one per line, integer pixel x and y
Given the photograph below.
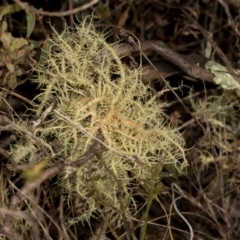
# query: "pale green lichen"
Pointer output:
{"type": "Point", "coordinates": [99, 93]}
{"type": "Point", "coordinates": [222, 76]}
{"type": "Point", "coordinates": [220, 114]}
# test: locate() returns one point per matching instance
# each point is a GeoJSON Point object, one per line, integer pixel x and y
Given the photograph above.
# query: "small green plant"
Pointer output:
{"type": "Point", "coordinates": [95, 92]}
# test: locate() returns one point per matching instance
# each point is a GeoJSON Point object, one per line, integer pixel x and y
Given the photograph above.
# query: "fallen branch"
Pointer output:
{"type": "Point", "coordinates": [192, 69]}
{"type": "Point", "coordinates": [25, 6]}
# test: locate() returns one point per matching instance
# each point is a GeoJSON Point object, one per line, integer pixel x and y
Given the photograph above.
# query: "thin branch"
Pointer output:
{"type": "Point", "coordinates": [19, 214]}
{"type": "Point", "coordinates": [191, 69]}
{"type": "Point", "coordinates": [25, 6]}
{"type": "Point", "coordinates": [179, 213]}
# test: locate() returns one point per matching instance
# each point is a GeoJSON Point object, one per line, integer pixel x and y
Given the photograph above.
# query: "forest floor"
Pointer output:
{"type": "Point", "coordinates": [172, 41]}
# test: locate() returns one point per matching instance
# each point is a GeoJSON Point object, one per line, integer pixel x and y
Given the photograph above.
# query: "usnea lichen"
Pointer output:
{"type": "Point", "coordinates": [96, 91]}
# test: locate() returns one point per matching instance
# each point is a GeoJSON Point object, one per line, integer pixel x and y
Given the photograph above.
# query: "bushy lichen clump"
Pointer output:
{"type": "Point", "coordinates": [221, 114]}
{"type": "Point", "coordinates": [99, 93]}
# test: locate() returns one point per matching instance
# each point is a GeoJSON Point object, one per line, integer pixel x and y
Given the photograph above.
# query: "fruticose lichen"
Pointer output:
{"type": "Point", "coordinates": [97, 92]}
{"type": "Point", "coordinates": [221, 114]}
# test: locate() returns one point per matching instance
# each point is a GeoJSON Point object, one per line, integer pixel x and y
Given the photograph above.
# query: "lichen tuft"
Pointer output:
{"type": "Point", "coordinates": [103, 96]}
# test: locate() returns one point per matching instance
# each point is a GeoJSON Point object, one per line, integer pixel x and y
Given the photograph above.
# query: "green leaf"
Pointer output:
{"type": "Point", "coordinates": [29, 47]}
{"type": "Point", "coordinates": [6, 39]}
{"type": "Point", "coordinates": [4, 11]}
{"type": "Point", "coordinates": [31, 20]}
{"type": "Point", "coordinates": [17, 43]}
{"type": "Point", "coordinates": [12, 81]}
{"type": "Point", "coordinates": [3, 27]}
{"type": "Point", "coordinates": [10, 67]}
{"type": "Point", "coordinates": [9, 9]}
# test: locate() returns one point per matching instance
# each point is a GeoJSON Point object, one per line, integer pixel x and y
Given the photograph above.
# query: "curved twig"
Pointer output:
{"type": "Point", "coordinates": [190, 68]}
{"type": "Point", "coordinates": [25, 6]}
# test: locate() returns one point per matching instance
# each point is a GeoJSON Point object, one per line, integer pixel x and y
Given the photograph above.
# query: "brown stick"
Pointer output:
{"type": "Point", "coordinates": [25, 6]}
{"type": "Point", "coordinates": [191, 69]}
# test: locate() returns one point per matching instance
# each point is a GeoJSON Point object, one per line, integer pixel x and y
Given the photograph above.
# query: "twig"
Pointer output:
{"type": "Point", "coordinates": [191, 69]}
{"type": "Point", "coordinates": [179, 213]}
{"type": "Point", "coordinates": [70, 7]}
{"type": "Point", "coordinates": [62, 222]}
{"type": "Point", "coordinates": [20, 214]}
{"type": "Point", "coordinates": [45, 113]}
{"type": "Point", "coordinates": [25, 6]}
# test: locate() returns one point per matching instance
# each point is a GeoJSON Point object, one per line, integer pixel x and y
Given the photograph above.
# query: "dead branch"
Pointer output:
{"type": "Point", "coordinates": [25, 6]}
{"type": "Point", "coordinates": [190, 68]}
